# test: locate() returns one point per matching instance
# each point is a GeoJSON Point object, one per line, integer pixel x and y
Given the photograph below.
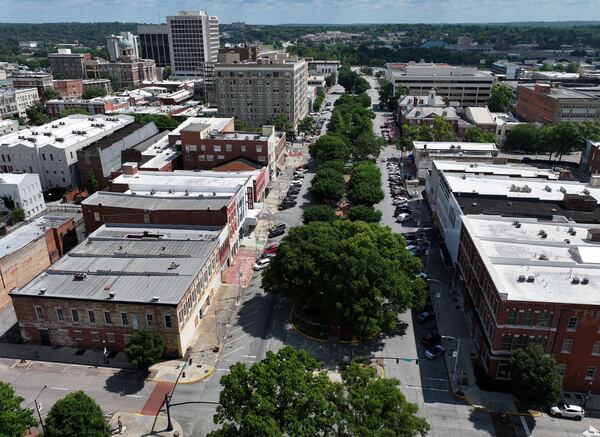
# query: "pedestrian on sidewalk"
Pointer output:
{"type": "Point", "coordinates": [120, 425]}
{"type": "Point", "coordinates": [105, 352]}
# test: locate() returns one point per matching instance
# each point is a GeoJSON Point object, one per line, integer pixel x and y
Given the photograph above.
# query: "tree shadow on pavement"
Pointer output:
{"type": "Point", "coordinates": [126, 382]}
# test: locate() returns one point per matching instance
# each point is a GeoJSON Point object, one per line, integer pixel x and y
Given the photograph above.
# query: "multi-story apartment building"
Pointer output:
{"type": "Point", "coordinates": [527, 280]}
{"type": "Point", "coordinates": [29, 250]}
{"type": "Point", "coordinates": [33, 80]}
{"type": "Point", "coordinates": [204, 148]}
{"type": "Point", "coordinates": [25, 190]}
{"type": "Point", "coordinates": [154, 43]}
{"type": "Point", "coordinates": [51, 150]}
{"type": "Point", "coordinates": [67, 65]}
{"type": "Point", "coordinates": [544, 103]}
{"type": "Point", "coordinates": [16, 101]}
{"type": "Point", "coordinates": [126, 73]}
{"type": "Point", "coordinates": [240, 52]}
{"type": "Point", "coordinates": [125, 45]}
{"type": "Point", "coordinates": [466, 85]}
{"type": "Point", "coordinates": [590, 157]}
{"type": "Point", "coordinates": [98, 105]}
{"type": "Point", "coordinates": [255, 92]}
{"type": "Point", "coordinates": [8, 126]}
{"type": "Point", "coordinates": [120, 280]}
{"type": "Point", "coordinates": [193, 43]}
{"type": "Point", "coordinates": [69, 88]}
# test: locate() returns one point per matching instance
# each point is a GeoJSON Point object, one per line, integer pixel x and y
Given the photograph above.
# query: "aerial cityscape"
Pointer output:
{"type": "Point", "coordinates": [299, 218]}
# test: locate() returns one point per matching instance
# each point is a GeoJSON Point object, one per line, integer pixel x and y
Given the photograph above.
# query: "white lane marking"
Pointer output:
{"type": "Point", "coordinates": [236, 339]}
{"type": "Point", "coordinates": [133, 396]}
{"type": "Point", "coordinates": [229, 353]}
{"type": "Point", "coordinates": [525, 427]}
{"type": "Point", "coordinates": [60, 388]}
{"type": "Point", "coordinates": [436, 379]}
{"type": "Point", "coordinates": [223, 370]}
{"type": "Point", "coordinates": [249, 356]}
{"type": "Point", "coordinates": [425, 388]}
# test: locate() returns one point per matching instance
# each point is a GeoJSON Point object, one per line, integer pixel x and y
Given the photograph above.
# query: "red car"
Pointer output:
{"type": "Point", "coordinates": [271, 249]}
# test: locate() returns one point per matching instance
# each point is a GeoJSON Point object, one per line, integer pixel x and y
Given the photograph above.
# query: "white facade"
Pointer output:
{"type": "Point", "coordinates": [425, 152]}
{"type": "Point", "coordinates": [25, 190]}
{"type": "Point", "coordinates": [16, 101]}
{"type": "Point", "coordinates": [193, 43]}
{"type": "Point", "coordinates": [469, 86]}
{"type": "Point", "coordinates": [323, 68]}
{"type": "Point", "coordinates": [51, 150]}
{"type": "Point", "coordinates": [124, 45]}
{"type": "Point", "coordinates": [8, 126]}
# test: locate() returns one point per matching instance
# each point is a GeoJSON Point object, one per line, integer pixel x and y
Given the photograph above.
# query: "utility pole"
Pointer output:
{"type": "Point", "coordinates": [37, 408]}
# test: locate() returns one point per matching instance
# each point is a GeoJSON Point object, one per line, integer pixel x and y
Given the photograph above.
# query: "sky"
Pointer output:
{"type": "Point", "coordinates": [303, 11]}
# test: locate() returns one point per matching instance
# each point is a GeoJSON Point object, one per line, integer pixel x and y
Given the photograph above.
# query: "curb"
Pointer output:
{"type": "Point", "coordinates": [532, 413]}
{"type": "Point", "coordinates": [192, 381]}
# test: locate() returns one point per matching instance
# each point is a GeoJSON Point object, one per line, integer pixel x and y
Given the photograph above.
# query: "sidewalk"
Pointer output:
{"type": "Point", "coordinates": [452, 322]}
{"type": "Point", "coordinates": [136, 425]}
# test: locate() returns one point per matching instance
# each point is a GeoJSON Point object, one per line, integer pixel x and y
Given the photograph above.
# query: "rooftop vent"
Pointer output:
{"type": "Point", "coordinates": [586, 191]}
{"type": "Point", "coordinates": [79, 276]}
{"type": "Point", "coordinates": [518, 225]}
{"type": "Point", "coordinates": [111, 294]}
{"type": "Point", "coordinates": [521, 278]}
{"type": "Point", "coordinates": [530, 279]}
{"type": "Point", "coordinates": [563, 190]}
{"type": "Point", "coordinates": [173, 266]}
{"type": "Point", "coordinates": [575, 280]}
{"type": "Point", "coordinates": [573, 232]}
{"type": "Point", "coordinates": [515, 223]}
{"type": "Point", "coordinates": [585, 281]}
{"type": "Point", "coordinates": [570, 230]}
{"type": "Point", "coordinates": [543, 257]}
{"type": "Point", "coordinates": [155, 298]}
{"type": "Point", "coordinates": [42, 291]}
{"type": "Point", "coordinates": [567, 241]}
{"type": "Point", "coordinates": [60, 140]}
{"type": "Point", "coordinates": [526, 189]}
{"type": "Point", "coordinates": [107, 287]}
{"type": "Point", "coordinates": [548, 189]}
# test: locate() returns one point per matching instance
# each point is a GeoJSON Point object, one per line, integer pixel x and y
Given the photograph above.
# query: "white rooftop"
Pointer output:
{"type": "Point", "coordinates": [525, 266]}
{"type": "Point", "coordinates": [522, 188]}
{"type": "Point", "coordinates": [67, 131]}
{"type": "Point", "coordinates": [454, 145]}
{"type": "Point", "coordinates": [12, 178]}
{"type": "Point", "coordinates": [496, 169]}
{"type": "Point", "coordinates": [24, 235]}
{"type": "Point", "coordinates": [160, 158]}
{"type": "Point", "coordinates": [479, 115]}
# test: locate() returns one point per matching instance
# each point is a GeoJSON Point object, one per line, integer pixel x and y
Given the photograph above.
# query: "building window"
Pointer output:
{"type": "Point", "coordinates": [596, 348]}
{"type": "Point", "coordinates": [590, 373]}
{"type": "Point", "coordinates": [566, 346]}
{"type": "Point", "coordinates": [39, 313]}
{"type": "Point", "coordinates": [210, 157]}
{"type": "Point", "coordinates": [561, 369]}
{"type": "Point", "coordinates": [202, 147]}
{"type": "Point", "coordinates": [75, 315]}
{"type": "Point", "coordinates": [503, 371]}
{"type": "Point", "coordinates": [228, 147]}
{"type": "Point", "coordinates": [124, 320]}
{"type": "Point", "coordinates": [107, 318]}
{"type": "Point", "coordinates": [167, 320]}
{"type": "Point", "coordinates": [97, 217]}
{"type": "Point", "coordinates": [262, 158]}
{"type": "Point", "coordinates": [507, 340]}
{"type": "Point", "coordinates": [216, 148]}
{"type": "Point", "coordinates": [572, 325]}
{"type": "Point", "coordinates": [543, 319]}
{"type": "Point", "coordinates": [59, 314]}
{"type": "Point", "coordinates": [259, 148]}
{"type": "Point", "coordinates": [243, 148]}
{"type": "Point", "coordinates": [91, 316]}
{"type": "Point", "coordinates": [149, 319]}
{"type": "Point", "coordinates": [511, 317]}
{"type": "Point", "coordinates": [526, 318]}
{"type": "Point", "coordinates": [110, 337]}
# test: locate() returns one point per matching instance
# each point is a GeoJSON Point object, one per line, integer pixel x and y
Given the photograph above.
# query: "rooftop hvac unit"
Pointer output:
{"type": "Point", "coordinates": [521, 278]}
{"type": "Point", "coordinates": [62, 123]}
{"type": "Point", "coordinates": [515, 223]}
{"type": "Point", "coordinates": [548, 189]}
{"type": "Point", "coordinates": [575, 280]}
{"type": "Point", "coordinates": [526, 189]}
{"type": "Point", "coordinates": [21, 137]}
{"type": "Point", "coordinates": [60, 140]}
{"type": "Point", "coordinates": [42, 291]}
{"type": "Point", "coordinates": [54, 126]}
{"type": "Point", "coordinates": [586, 191]}
{"type": "Point", "coordinates": [79, 276]}
{"type": "Point", "coordinates": [563, 189]}
{"type": "Point", "coordinates": [570, 230]}
{"type": "Point", "coordinates": [541, 231]}
{"type": "Point", "coordinates": [155, 299]}
{"type": "Point", "coordinates": [544, 235]}
{"type": "Point", "coordinates": [518, 225]}
{"type": "Point", "coordinates": [530, 279]}
{"type": "Point", "coordinates": [585, 281]}
{"type": "Point", "coordinates": [111, 294]}
{"type": "Point", "coordinates": [573, 232]}
{"type": "Point", "coordinates": [543, 257]}
{"type": "Point", "coordinates": [48, 134]}
{"type": "Point", "coordinates": [567, 241]}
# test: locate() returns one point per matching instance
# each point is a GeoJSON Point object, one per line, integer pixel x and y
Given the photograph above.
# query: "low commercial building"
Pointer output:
{"type": "Point", "coordinates": [97, 105]}
{"type": "Point", "coordinates": [102, 83]}
{"type": "Point", "coordinates": [466, 85]}
{"type": "Point", "coordinates": [425, 152]}
{"type": "Point", "coordinates": [25, 191]}
{"type": "Point", "coordinates": [32, 248]}
{"type": "Point", "coordinates": [509, 70]}
{"type": "Point", "coordinates": [323, 67]}
{"type": "Point", "coordinates": [195, 198]}
{"type": "Point", "coordinates": [590, 157]}
{"type": "Point", "coordinates": [544, 103]}
{"type": "Point", "coordinates": [26, 79]}
{"type": "Point", "coordinates": [255, 92]}
{"type": "Point", "coordinates": [455, 190]}
{"type": "Point", "coordinates": [122, 279]}
{"type": "Point", "coordinates": [532, 281]}
{"type": "Point", "coordinates": [204, 148]}
{"type": "Point", "coordinates": [69, 88]}
{"type": "Point", "coordinates": [15, 102]}
{"type": "Point", "coordinates": [103, 158]}
{"type": "Point", "coordinates": [50, 150]}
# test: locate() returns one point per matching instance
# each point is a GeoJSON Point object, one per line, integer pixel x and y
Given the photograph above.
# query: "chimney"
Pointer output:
{"type": "Point", "coordinates": [130, 168]}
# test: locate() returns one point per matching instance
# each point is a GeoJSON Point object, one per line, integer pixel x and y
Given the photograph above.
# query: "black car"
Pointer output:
{"type": "Point", "coordinates": [277, 230]}
{"type": "Point", "coordinates": [294, 190]}
{"type": "Point", "coordinates": [285, 205]}
{"type": "Point", "coordinates": [431, 339]}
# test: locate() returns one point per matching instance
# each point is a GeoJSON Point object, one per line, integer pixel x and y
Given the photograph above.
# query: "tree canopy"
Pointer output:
{"type": "Point", "coordinates": [354, 274]}
{"type": "Point", "coordinates": [535, 378]}
{"type": "Point", "coordinates": [263, 400]}
{"type": "Point", "coordinates": [145, 348]}
{"type": "Point", "coordinates": [365, 184]}
{"type": "Point", "coordinates": [76, 415]}
{"type": "Point", "coordinates": [328, 185]}
{"type": "Point", "coordinates": [161, 121]}
{"type": "Point", "coordinates": [50, 93]}
{"type": "Point", "coordinates": [329, 147]}
{"type": "Point", "coordinates": [318, 213]}
{"type": "Point", "coordinates": [93, 91]}
{"type": "Point", "coordinates": [478, 135]}
{"type": "Point", "coordinates": [364, 213]}
{"type": "Point", "coordinates": [306, 125]}
{"type": "Point", "coordinates": [499, 98]}
{"type": "Point", "coordinates": [366, 145]}
{"type": "Point", "coordinates": [352, 82]}
{"type": "Point", "coordinates": [36, 114]}
{"type": "Point", "coordinates": [14, 419]}
{"type": "Point", "coordinates": [281, 122]}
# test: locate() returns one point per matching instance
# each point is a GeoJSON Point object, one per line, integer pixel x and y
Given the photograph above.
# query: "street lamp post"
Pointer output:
{"type": "Point", "coordinates": [457, 355]}
{"type": "Point", "coordinates": [37, 408]}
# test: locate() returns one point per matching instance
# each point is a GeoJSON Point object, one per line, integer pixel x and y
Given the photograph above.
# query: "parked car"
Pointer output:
{"type": "Point", "coordinates": [277, 230]}
{"type": "Point", "coordinates": [431, 339]}
{"type": "Point", "coordinates": [399, 200]}
{"type": "Point", "coordinates": [261, 264]}
{"type": "Point", "coordinates": [271, 248]}
{"type": "Point", "coordinates": [435, 351]}
{"type": "Point", "coordinates": [286, 205]}
{"type": "Point", "coordinates": [567, 410]}
{"type": "Point", "coordinates": [425, 316]}
{"type": "Point", "coordinates": [422, 275]}
{"type": "Point", "coordinates": [403, 217]}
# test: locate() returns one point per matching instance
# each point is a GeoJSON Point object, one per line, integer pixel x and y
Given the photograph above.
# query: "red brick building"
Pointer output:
{"type": "Point", "coordinates": [529, 281]}
{"type": "Point", "coordinates": [205, 149]}
{"type": "Point", "coordinates": [69, 88]}
{"type": "Point", "coordinates": [120, 280]}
